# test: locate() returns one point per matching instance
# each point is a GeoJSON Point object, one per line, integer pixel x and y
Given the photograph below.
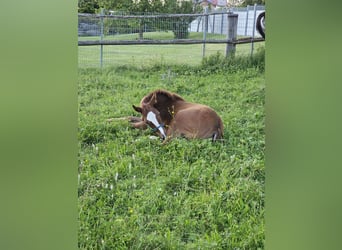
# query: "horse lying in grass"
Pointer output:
{"type": "Point", "coordinates": [169, 115]}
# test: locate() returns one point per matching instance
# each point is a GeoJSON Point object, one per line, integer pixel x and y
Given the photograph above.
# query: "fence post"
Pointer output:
{"type": "Point", "coordinates": [101, 38]}
{"type": "Point", "coordinates": [213, 27]}
{"type": "Point", "coordinates": [222, 16]}
{"type": "Point", "coordinates": [205, 30]}
{"type": "Point", "coordinates": [232, 33]}
{"type": "Point", "coordinates": [246, 25]}
{"type": "Point", "coordinates": [253, 30]}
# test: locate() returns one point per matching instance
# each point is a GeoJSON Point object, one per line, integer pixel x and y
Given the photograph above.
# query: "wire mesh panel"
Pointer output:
{"type": "Point", "coordinates": [88, 26]}
{"type": "Point", "coordinates": [247, 18]}
{"type": "Point", "coordinates": [137, 39]}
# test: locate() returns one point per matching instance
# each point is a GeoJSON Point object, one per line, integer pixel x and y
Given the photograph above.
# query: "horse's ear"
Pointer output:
{"type": "Point", "coordinates": [138, 109]}
{"type": "Point", "coordinates": [153, 99]}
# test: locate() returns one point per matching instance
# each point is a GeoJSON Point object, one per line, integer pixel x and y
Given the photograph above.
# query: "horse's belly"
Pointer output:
{"type": "Point", "coordinates": [195, 124]}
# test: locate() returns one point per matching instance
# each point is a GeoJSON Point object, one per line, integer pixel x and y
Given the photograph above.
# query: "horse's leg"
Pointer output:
{"type": "Point", "coordinates": [169, 132]}
{"type": "Point", "coordinates": [134, 119]}
{"type": "Point", "coordinates": [127, 118]}
{"type": "Point", "coordinates": [166, 140]}
{"type": "Point", "coordinates": [136, 122]}
{"type": "Point", "coordinates": [139, 125]}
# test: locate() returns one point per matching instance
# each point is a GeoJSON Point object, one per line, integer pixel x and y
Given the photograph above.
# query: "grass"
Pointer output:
{"type": "Point", "coordinates": [135, 193]}
{"type": "Point", "coordinates": [136, 55]}
{"type": "Point", "coordinates": [148, 55]}
{"type": "Point", "coordinates": [165, 35]}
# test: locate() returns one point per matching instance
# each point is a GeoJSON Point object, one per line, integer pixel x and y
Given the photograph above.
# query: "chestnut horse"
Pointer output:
{"type": "Point", "coordinates": [169, 115]}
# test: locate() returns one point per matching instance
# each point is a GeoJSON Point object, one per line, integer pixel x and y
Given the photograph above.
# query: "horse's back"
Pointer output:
{"type": "Point", "coordinates": [198, 121]}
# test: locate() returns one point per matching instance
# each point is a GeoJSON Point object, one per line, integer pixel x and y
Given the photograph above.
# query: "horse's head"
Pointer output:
{"type": "Point", "coordinates": [151, 116]}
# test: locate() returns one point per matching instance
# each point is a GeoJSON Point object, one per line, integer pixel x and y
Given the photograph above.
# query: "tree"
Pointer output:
{"type": "Point", "coordinates": [94, 6]}
{"type": "Point", "coordinates": [116, 5]}
{"type": "Point", "coordinates": [179, 26]}
{"type": "Point", "coordinates": [252, 2]}
{"type": "Point", "coordinates": [87, 6]}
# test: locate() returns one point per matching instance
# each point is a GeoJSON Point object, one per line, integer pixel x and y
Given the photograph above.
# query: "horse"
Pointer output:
{"type": "Point", "coordinates": [169, 115]}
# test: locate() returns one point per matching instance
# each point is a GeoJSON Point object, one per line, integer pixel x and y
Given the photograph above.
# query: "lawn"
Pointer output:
{"type": "Point", "coordinates": [135, 193]}
{"type": "Point", "coordinates": [137, 55]}
{"type": "Point", "coordinates": [161, 35]}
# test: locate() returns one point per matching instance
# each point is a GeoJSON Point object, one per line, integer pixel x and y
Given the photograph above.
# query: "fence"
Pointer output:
{"type": "Point", "coordinates": [107, 39]}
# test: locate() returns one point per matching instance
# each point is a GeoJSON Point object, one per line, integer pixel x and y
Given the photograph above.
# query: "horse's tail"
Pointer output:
{"type": "Point", "coordinates": [219, 133]}
{"type": "Point", "coordinates": [220, 128]}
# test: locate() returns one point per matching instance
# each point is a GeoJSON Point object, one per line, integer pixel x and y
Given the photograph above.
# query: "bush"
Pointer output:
{"type": "Point", "coordinates": [181, 29]}
{"type": "Point", "coordinates": [219, 63]}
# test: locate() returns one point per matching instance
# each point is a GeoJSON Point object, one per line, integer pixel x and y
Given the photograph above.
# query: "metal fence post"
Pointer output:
{"type": "Point", "coordinates": [101, 38]}
{"type": "Point", "coordinates": [246, 24]}
{"type": "Point", "coordinates": [213, 27]}
{"type": "Point", "coordinates": [222, 16]}
{"type": "Point", "coordinates": [205, 30]}
{"type": "Point", "coordinates": [232, 33]}
{"type": "Point", "coordinates": [253, 30]}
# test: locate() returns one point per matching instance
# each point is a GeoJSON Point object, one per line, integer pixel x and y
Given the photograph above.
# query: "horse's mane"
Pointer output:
{"type": "Point", "coordinates": [163, 95]}
{"type": "Point", "coordinates": [169, 95]}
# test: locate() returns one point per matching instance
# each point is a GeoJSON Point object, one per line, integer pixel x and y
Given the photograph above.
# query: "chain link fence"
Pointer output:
{"type": "Point", "coordinates": [119, 38]}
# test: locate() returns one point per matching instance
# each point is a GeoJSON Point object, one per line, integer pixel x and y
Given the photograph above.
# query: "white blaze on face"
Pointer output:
{"type": "Point", "coordinates": [152, 118]}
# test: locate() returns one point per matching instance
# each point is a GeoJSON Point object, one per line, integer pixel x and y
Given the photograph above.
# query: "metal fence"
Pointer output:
{"type": "Point", "coordinates": [218, 21]}
{"type": "Point", "coordinates": [118, 38]}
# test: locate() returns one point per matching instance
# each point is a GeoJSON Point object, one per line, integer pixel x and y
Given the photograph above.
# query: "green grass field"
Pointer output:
{"type": "Point", "coordinates": [135, 193]}
{"type": "Point", "coordinates": [138, 55]}
{"type": "Point", "coordinates": [162, 35]}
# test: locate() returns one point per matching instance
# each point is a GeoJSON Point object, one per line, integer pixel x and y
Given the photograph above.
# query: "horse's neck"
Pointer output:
{"type": "Point", "coordinates": [182, 105]}
{"type": "Point", "coordinates": [169, 111]}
